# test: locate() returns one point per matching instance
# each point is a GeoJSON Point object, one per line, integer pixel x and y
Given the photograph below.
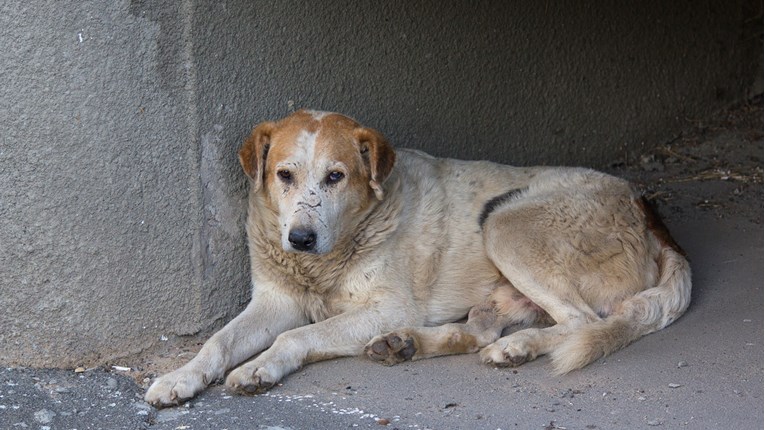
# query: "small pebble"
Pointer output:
{"type": "Point", "coordinates": [383, 422]}
{"type": "Point", "coordinates": [654, 423]}
{"type": "Point", "coordinates": [673, 385]}
{"type": "Point", "coordinates": [79, 370]}
{"type": "Point", "coordinates": [682, 364]}
{"type": "Point", "coordinates": [111, 383]}
{"type": "Point", "coordinates": [44, 416]}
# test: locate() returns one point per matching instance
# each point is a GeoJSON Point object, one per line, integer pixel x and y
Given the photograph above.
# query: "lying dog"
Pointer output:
{"type": "Point", "coordinates": [350, 240]}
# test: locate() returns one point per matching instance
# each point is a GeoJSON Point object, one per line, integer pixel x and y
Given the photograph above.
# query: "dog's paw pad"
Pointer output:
{"type": "Point", "coordinates": [391, 349]}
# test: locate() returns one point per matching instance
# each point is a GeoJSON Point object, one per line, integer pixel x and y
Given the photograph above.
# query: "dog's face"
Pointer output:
{"type": "Point", "coordinates": [319, 171]}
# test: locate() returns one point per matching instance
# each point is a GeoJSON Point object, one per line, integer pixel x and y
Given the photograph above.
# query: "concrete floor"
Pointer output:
{"type": "Point", "coordinates": [705, 371]}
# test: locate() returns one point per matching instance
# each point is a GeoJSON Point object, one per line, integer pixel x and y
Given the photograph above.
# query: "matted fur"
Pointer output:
{"type": "Point", "coordinates": [357, 248]}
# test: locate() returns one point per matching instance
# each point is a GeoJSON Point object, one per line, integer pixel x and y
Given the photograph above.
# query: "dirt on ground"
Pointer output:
{"type": "Point", "coordinates": [725, 151]}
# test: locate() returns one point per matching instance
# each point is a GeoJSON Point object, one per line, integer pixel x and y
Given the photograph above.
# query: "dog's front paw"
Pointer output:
{"type": "Point", "coordinates": [250, 380]}
{"type": "Point", "coordinates": [392, 348]}
{"type": "Point", "coordinates": [175, 388]}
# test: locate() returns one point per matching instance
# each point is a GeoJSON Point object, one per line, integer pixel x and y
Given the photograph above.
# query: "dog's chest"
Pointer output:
{"type": "Point", "coordinates": [322, 300]}
{"type": "Point", "coordinates": [323, 287]}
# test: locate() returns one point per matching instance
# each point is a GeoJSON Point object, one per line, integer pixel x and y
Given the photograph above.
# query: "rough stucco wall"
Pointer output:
{"type": "Point", "coordinates": [99, 194]}
{"type": "Point", "coordinates": [121, 199]}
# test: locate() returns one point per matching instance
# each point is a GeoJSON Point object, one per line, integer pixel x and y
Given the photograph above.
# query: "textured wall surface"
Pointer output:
{"type": "Point", "coordinates": [121, 200]}
{"type": "Point", "coordinates": [99, 182]}
{"type": "Point", "coordinates": [522, 82]}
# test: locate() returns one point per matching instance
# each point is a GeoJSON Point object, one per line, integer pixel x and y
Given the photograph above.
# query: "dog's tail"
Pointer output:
{"type": "Point", "coordinates": [646, 312]}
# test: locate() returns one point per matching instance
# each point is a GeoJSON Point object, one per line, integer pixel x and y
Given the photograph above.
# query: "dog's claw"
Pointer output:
{"type": "Point", "coordinates": [509, 360]}
{"type": "Point", "coordinates": [251, 389]}
{"type": "Point", "coordinates": [516, 360]}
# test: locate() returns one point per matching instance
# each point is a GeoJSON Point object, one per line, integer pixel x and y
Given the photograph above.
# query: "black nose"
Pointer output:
{"type": "Point", "coordinates": [302, 239]}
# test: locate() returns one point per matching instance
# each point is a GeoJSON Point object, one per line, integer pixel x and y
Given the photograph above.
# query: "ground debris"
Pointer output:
{"type": "Point", "coordinates": [725, 152]}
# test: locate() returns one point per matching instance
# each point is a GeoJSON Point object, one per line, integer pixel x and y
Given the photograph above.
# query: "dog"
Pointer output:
{"type": "Point", "coordinates": [357, 248]}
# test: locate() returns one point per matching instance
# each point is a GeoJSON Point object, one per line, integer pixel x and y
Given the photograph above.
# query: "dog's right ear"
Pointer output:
{"type": "Point", "coordinates": [252, 155]}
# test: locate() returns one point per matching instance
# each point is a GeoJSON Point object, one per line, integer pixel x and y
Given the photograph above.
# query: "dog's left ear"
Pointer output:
{"type": "Point", "coordinates": [378, 155]}
{"type": "Point", "coordinates": [252, 155]}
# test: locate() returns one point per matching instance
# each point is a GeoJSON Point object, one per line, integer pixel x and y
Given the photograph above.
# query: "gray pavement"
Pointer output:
{"type": "Point", "coordinates": [705, 371]}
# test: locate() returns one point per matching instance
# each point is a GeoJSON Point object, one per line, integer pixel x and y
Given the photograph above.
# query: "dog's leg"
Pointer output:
{"type": "Point", "coordinates": [504, 307]}
{"type": "Point", "coordinates": [267, 315]}
{"type": "Point", "coordinates": [536, 259]}
{"type": "Point", "coordinates": [340, 336]}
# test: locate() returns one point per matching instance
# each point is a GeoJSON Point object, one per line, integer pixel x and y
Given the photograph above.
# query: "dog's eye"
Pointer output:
{"type": "Point", "coordinates": [285, 176]}
{"type": "Point", "coordinates": [335, 177]}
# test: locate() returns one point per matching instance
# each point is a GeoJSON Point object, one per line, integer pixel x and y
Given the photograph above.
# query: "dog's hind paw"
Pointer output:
{"type": "Point", "coordinates": [392, 348]}
{"type": "Point", "coordinates": [504, 357]}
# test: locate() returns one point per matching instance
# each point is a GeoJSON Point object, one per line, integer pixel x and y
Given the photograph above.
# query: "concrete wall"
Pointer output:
{"type": "Point", "coordinates": [121, 201]}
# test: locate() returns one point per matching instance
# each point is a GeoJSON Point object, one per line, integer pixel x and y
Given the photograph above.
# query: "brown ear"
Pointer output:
{"type": "Point", "coordinates": [252, 155]}
{"type": "Point", "coordinates": [379, 156]}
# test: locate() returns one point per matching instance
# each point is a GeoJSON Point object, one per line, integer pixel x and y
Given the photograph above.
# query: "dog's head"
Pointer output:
{"type": "Point", "coordinates": [319, 171]}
